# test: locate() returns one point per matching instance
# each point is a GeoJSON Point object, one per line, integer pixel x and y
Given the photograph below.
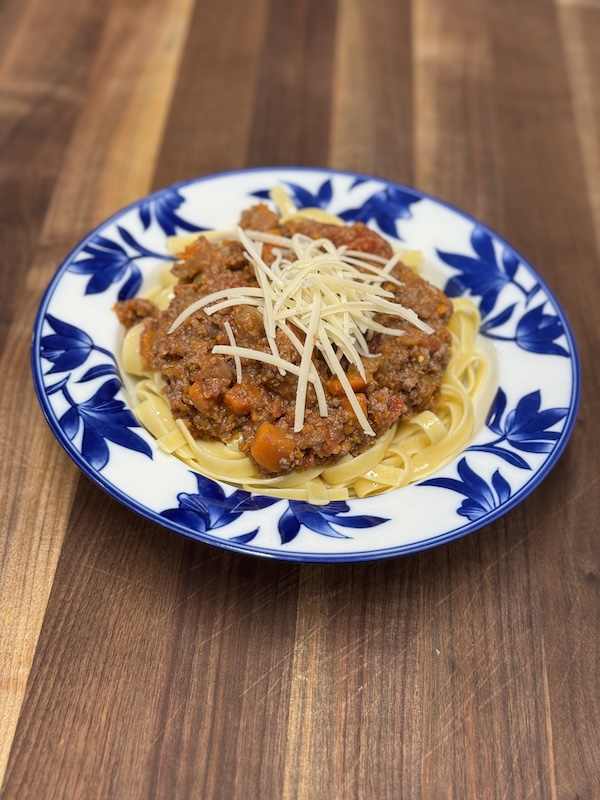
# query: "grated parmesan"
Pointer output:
{"type": "Point", "coordinates": [330, 294]}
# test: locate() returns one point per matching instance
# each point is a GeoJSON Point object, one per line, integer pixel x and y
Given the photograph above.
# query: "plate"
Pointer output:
{"type": "Point", "coordinates": [84, 394]}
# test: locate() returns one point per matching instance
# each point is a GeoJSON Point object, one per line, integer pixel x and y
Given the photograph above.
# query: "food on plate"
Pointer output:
{"type": "Point", "coordinates": [300, 356]}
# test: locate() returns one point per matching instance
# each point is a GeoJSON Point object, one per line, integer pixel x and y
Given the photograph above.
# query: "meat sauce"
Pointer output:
{"type": "Point", "coordinates": [402, 378]}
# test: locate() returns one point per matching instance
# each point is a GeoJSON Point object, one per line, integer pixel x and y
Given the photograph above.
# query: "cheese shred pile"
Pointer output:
{"type": "Point", "coordinates": [329, 294]}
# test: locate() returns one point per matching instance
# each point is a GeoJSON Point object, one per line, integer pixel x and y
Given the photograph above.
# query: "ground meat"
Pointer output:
{"type": "Point", "coordinates": [259, 218]}
{"type": "Point", "coordinates": [354, 237]}
{"type": "Point", "coordinates": [414, 365]}
{"type": "Point", "coordinates": [202, 259]}
{"type": "Point", "coordinates": [258, 413]}
{"type": "Point", "coordinates": [130, 312]}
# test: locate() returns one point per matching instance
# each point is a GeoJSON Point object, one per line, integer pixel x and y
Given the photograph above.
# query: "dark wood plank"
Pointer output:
{"type": "Point", "coordinates": [291, 118]}
{"type": "Point", "coordinates": [456, 148]}
{"type": "Point", "coordinates": [483, 676]}
{"type": "Point", "coordinates": [372, 124]}
{"type": "Point", "coordinates": [213, 102]}
{"type": "Point", "coordinates": [357, 689]}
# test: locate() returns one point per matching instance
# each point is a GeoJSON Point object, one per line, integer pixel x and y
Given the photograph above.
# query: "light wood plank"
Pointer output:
{"type": "Point", "coordinates": [580, 25]}
{"type": "Point", "coordinates": [456, 139]}
{"type": "Point", "coordinates": [111, 158]}
{"type": "Point", "coordinates": [214, 101]}
{"type": "Point", "coordinates": [371, 114]}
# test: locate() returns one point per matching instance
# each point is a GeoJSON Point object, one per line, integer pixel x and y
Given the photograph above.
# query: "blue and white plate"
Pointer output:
{"type": "Point", "coordinates": [85, 397]}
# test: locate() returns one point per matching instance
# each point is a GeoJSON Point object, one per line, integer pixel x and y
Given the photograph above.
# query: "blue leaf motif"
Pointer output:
{"type": "Point", "coordinates": [221, 509]}
{"type": "Point", "coordinates": [194, 519]}
{"type": "Point", "coordinates": [69, 422]}
{"type": "Point", "coordinates": [510, 263]}
{"type": "Point", "coordinates": [59, 386]}
{"type": "Point", "coordinates": [245, 538]}
{"type": "Point", "coordinates": [120, 434]}
{"type": "Point", "coordinates": [288, 526]}
{"type": "Point", "coordinates": [305, 199]}
{"type": "Point", "coordinates": [145, 215]}
{"type": "Point", "coordinates": [94, 448]}
{"type": "Point", "coordinates": [480, 497]}
{"type": "Point", "coordinates": [532, 292]}
{"type": "Point", "coordinates": [136, 246]}
{"type": "Point", "coordinates": [321, 519]}
{"type": "Point", "coordinates": [68, 348]}
{"type": "Point", "coordinates": [514, 459]}
{"type": "Point", "coordinates": [325, 194]}
{"type": "Point", "coordinates": [262, 194]}
{"type": "Point", "coordinates": [537, 332]}
{"type": "Point", "coordinates": [106, 418]}
{"type": "Point", "coordinates": [253, 502]}
{"type": "Point", "coordinates": [481, 276]}
{"type": "Point", "coordinates": [163, 208]}
{"type": "Point", "coordinates": [99, 371]}
{"type": "Point", "coordinates": [501, 486]}
{"type": "Point", "coordinates": [108, 262]}
{"type": "Point", "coordinates": [485, 277]}
{"type": "Point", "coordinates": [385, 207]}
{"type": "Point", "coordinates": [102, 405]}
{"type": "Point", "coordinates": [496, 411]}
{"type": "Point", "coordinates": [132, 285]}
{"type": "Point", "coordinates": [314, 520]}
{"type": "Point", "coordinates": [483, 245]}
{"type": "Point", "coordinates": [105, 244]}
{"type": "Point", "coordinates": [499, 320]}
{"type": "Point", "coordinates": [525, 428]}
{"type": "Point", "coordinates": [211, 508]}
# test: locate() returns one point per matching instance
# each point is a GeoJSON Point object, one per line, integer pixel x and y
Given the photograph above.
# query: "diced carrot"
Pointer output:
{"type": "Point", "coordinates": [196, 395]}
{"type": "Point", "coordinates": [242, 398]}
{"type": "Point", "coordinates": [271, 446]}
{"type": "Point", "coordinates": [356, 380]}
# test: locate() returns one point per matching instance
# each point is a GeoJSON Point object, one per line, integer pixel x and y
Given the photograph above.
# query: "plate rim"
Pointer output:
{"type": "Point", "coordinates": [395, 551]}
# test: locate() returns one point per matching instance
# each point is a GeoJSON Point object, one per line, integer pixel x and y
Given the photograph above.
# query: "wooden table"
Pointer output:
{"type": "Point", "coordinates": [138, 664]}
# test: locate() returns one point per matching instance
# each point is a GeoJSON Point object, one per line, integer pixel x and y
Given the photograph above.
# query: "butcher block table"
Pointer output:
{"type": "Point", "coordinates": [138, 663]}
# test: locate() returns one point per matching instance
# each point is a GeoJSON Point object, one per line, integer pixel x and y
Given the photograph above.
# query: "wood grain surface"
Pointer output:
{"type": "Point", "coordinates": [136, 664]}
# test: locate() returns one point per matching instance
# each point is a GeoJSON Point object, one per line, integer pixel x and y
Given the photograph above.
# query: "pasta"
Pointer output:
{"type": "Point", "coordinates": [408, 451]}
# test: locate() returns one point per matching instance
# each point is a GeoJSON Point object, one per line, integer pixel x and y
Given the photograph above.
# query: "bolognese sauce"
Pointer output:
{"type": "Point", "coordinates": [255, 407]}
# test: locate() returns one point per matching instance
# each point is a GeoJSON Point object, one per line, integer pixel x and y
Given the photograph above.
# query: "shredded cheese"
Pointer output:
{"type": "Point", "coordinates": [329, 294]}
